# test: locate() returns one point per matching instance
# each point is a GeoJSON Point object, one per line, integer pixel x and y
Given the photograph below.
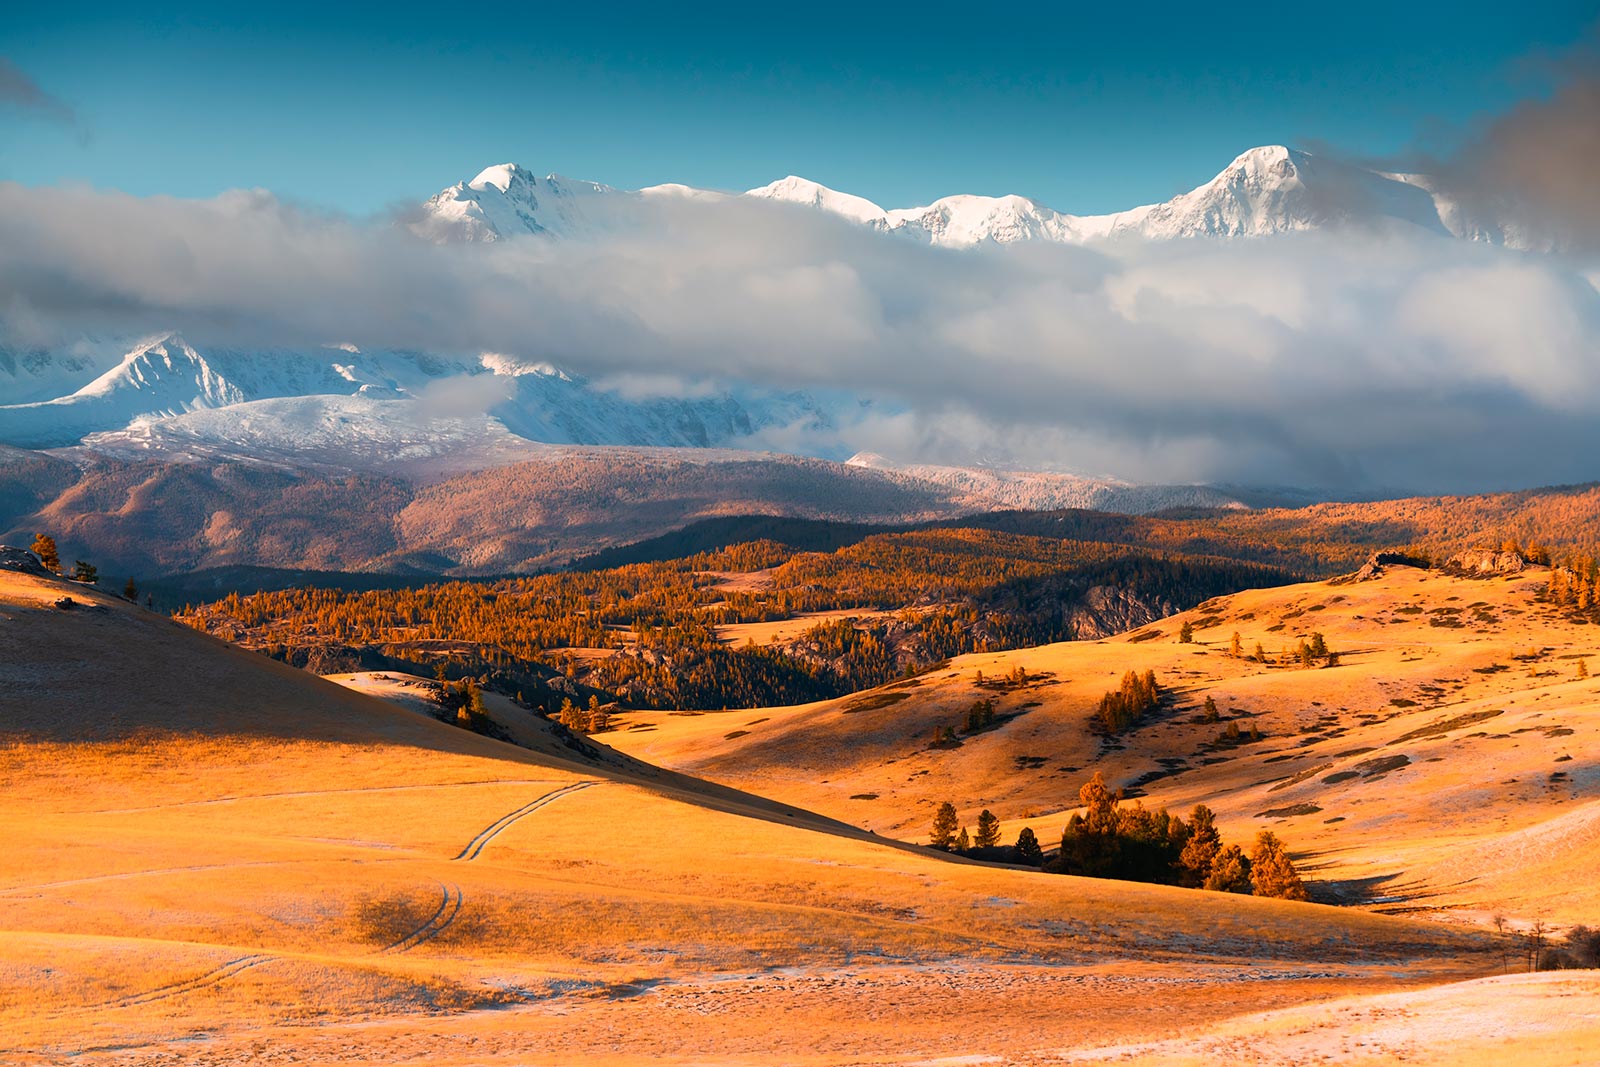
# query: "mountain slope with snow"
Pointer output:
{"type": "Point", "coordinates": [166, 397]}
{"type": "Point", "coordinates": [1264, 191]}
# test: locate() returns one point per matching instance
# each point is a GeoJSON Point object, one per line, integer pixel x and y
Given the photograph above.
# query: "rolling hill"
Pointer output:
{"type": "Point", "coordinates": [1443, 763]}
{"type": "Point", "coordinates": [212, 856]}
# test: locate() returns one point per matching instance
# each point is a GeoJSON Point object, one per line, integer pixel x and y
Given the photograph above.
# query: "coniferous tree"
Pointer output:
{"type": "Point", "coordinates": [963, 842]}
{"type": "Point", "coordinates": [86, 573]}
{"type": "Point", "coordinates": [131, 591]}
{"type": "Point", "coordinates": [1231, 872]}
{"type": "Point", "coordinates": [988, 830]}
{"type": "Point", "coordinates": [1272, 874]}
{"type": "Point", "coordinates": [1186, 633]}
{"type": "Point", "coordinates": [571, 716]}
{"type": "Point", "coordinates": [44, 546]}
{"type": "Point", "coordinates": [1236, 647]}
{"type": "Point", "coordinates": [1028, 850]}
{"type": "Point", "coordinates": [943, 834]}
{"type": "Point", "coordinates": [1200, 851]}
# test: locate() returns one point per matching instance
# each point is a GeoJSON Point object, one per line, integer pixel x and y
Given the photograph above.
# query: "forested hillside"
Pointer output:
{"type": "Point", "coordinates": [666, 634]}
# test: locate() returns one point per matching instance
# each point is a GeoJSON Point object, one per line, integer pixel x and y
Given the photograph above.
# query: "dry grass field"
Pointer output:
{"type": "Point", "coordinates": [213, 858]}
{"type": "Point", "coordinates": [1446, 762]}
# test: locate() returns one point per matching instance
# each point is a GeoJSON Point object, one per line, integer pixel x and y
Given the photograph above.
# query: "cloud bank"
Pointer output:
{"type": "Point", "coordinates": [1361, 358]}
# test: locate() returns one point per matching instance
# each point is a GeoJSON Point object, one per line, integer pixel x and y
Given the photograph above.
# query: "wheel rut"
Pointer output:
{"type": "Point", "coordinates": [476, 846]}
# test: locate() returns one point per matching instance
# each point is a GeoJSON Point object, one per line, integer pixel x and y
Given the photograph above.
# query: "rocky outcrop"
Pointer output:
{"type": "Point", "coordinates": [20, 559]}
{"type": "Point", "coordinates": [1484, 563]}
{"type": "Point", "coordinates": [1374, 568]}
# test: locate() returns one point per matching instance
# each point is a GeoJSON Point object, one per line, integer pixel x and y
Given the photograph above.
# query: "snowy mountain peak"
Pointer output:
{"type": "Point", "coordinates": [798, 190]}
{"type": "Point", "coordinates": [1273, 189]}
{"type": "Point", "coordinates": [508, 200]}
{"type": "Point", "coordinates": [500, 176]}
{"type": "Point", "coordinates": [1273, 158]}
{"type": "Point", "coordinates": [963, 221]}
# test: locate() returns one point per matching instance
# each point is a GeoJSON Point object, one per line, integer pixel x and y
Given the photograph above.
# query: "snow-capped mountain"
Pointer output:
{"type": "Point", "coordinates": [803, 191]}
{"type": "Point", "coordinates": [1279, 190]}
{"type": "Point", "coordinates": [1264, 191]}
{"type": "Point", "coordinates": [165, 395]}
{"type": "Point", "coordinates": [507, 199]}
{"type": "Point", "coordinates": [165, 376]}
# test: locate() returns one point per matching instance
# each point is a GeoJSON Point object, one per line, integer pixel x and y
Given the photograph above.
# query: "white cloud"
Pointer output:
{"type": "Point", "coordinates": [1365, 356]}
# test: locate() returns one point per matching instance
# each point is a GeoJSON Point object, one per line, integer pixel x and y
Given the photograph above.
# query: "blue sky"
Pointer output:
{"type": "Point", "coordinates": [1085, 107]}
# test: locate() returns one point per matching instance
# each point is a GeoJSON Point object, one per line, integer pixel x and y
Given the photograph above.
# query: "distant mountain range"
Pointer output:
{"type": "Point", "coordinates": [160, 396]}
{"type": "Point", "coordinates": [1265, 191]}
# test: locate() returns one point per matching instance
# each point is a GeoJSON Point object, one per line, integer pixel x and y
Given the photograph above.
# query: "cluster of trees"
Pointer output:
{"type": "Point", "coordinates": [593, 719]}
{"type": "Point", "coordinates": [1121, 708]}
{"type": "Point", "coordinates": [461, 702]}
{"type": "Point", "coordinates": [1575, 586]}
{"type": "Point", "coordinates": [1580, 949]}
{"type": "Point", "coordinates": [1110, 840]}
{"type": "Point", "coordinates": [980, 716]}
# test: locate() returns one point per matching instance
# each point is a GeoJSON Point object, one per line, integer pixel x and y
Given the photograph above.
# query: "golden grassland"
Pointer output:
{"type": "Point", "coordinates": [1446, 761]}
{"type": "Point", "coordinates": [213, 858]}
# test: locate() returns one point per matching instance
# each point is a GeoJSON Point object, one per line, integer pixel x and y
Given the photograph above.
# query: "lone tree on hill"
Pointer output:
{"type": "Point", "coordinates": [1236, 646]}
{"type": "Point", "coordinates": [87, 573]}
{"type": "Point", "coordinates": [131, 591]}
{"type": "Point", "coordinates": [943, 835]}
{"type": "Point", "coordinates": [44, 546]}
{"type": "Point", "coordinates": [1028, 850]}
{"type": "Point", "coordinates": [988, 830]}
{"type": "Point", "coordinates": [1272, 874]}
{"type": "Point", "coordinates": [1186, 633]}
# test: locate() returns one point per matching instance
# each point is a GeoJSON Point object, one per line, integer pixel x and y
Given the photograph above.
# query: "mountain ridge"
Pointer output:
{"type": "Point", "coordinates": [1266, 190]}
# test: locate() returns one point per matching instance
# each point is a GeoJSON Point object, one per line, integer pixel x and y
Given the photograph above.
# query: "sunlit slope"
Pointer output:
{"type": "Point", "coordinates": [209, 855]}
{"type": "Point", "coordinates": [1449, 758]}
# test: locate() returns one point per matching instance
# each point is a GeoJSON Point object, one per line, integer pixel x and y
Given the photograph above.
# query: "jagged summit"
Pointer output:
{"type": "Point", "coordinates": [508, 200]}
